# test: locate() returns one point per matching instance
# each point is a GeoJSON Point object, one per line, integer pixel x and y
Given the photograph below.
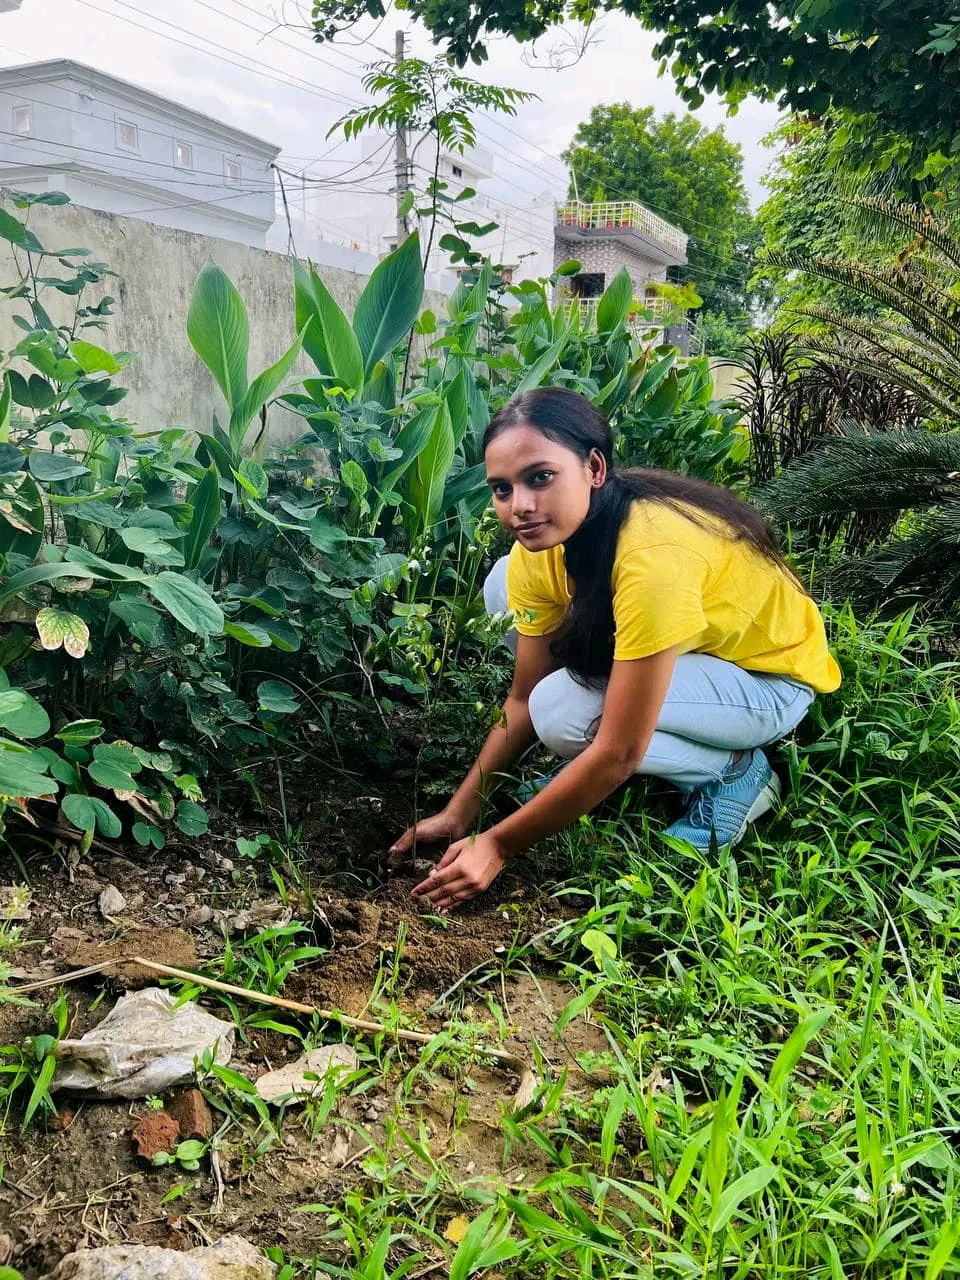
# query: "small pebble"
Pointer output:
{"type": "Point", "coordinates": [175, 877]}
{"type": "Point", "coordinates": [371, 1114]}
{"type": "Point", "coordinates": [111, 901]}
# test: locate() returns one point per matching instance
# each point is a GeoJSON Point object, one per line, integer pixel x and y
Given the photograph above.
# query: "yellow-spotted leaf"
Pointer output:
{"type": "Point", "coordinates": [58, 627]}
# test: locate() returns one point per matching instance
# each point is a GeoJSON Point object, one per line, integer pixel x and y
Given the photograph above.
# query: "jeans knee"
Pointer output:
{"type": "Point", "coordinates": [562, 714]}
{"type": "Point", "coordinates": [495, 588]}
{"type": "Point", "coordinates": [546, 715]}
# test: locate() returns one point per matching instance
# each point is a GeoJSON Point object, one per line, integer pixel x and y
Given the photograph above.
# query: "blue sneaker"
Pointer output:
{"type": "Point", "coordinates": [725, 809]}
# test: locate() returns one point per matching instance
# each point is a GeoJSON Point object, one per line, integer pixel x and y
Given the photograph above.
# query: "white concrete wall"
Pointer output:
{"type": "Point", "coordinates": [157, 267]}
{"type": "Point", "coordinates": [75, 144]}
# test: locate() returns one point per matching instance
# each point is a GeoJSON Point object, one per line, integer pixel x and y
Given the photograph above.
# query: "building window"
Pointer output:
{"type": "Point", "coordinates": [22, 121]}
{"type": "Point", "coordinates": [588, 284]}
{"type": "Point", "coordinates": [182, 155]}
{"type": "Point", "coordinates": [231, 172]}
{"type": "Point", "coordinates": [457, 171]}
{"type": "Point", "coordinates": [128, 136]}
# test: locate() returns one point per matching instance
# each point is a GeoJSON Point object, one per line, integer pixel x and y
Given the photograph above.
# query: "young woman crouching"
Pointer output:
{"type": "Point", "coordinates": [658, 631]}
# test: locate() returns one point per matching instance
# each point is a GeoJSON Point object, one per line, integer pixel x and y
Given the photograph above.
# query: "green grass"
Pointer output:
{"type": "Point", "coordinates": [781, 1094]}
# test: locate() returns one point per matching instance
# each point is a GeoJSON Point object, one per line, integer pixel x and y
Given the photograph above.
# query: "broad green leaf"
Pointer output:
{"type": "Point", "coordinates": [204, 499]}
{"type": "Point", "coordinates": [745, 1187]}
{"type": "Point", "coordinates": [88, 812]}
{"type": "Point", "coordinates": [411, 440]}
{"type": "Point", "coordinates": [390, 302]}
{"type": "Point", "coordinates": [537, 371]}
{"type": "Point", "coordinates": [614, 306]}
{"type": "Point", "coordinates": [616, 1106]}
{"type": "Point", "coordinates": [283, 635]}
{"type": "Point", "coordinates": [600, 945]}
{"type": "Point", "coordinates": [326, 537]}
{"type": "Point", "coordinates": [22, 715]}
{"type": "Point", "coordinates": [57, 627]}
{"type": "Point", "coordinates": [275, 696]}
{"type": "Point", "coordinates": [51, 467]}
{"type": "Point", "coordinates": [793, 1049]}
{"type": "Point", "coordinates": [191, 819]}
{"type": "Point", "coordinates": [23, 773]}
{"type": "Point", "coordinates": [258, 393]}
{"type": "Point", "coordinates": [469, 486]}
{"type": "Point", "coordinates": [141, 617]}
{"type": "Point", "coordinates": [19, 582]}
{"type": "Point", "coordinates": [146, 834]}
{"type": "Point", "coordinates": [151, 545]}
{"type": "Point", "coordinates": [191, 604]}
{"type": "Point", "coordinates": [80, 732]}
{"type": "Point", "coordinates": [328, 339]}
{"type": "Point", "coordinates": [944, 1250]}
{"type": "Point", "coordinates": [248, 633]}
{"type": "Point", "coordinates": [429, 474]}
{"type": "Point", "coordinates": [252, 478]}
{"type": "Point", "coordinates": [22, 518]}
{"type": "Point", "coordinates": [11, 228]}
{"type": "Point", "coordinates": [93, 359]}
{"type": "Point", "coordinates": [219, 332]}
{"type": "Point", "coordinates": [6, 401]}
{"type": "Point", "coordinates": [578, 1004]}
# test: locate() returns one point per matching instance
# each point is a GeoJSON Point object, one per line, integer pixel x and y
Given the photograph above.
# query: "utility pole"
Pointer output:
{"type": "Point", "coordinates": [402, 164]}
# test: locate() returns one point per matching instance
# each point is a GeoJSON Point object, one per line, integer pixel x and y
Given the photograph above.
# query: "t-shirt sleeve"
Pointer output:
{"type": "Point", "coordinates": [536, 609]}
{"type": "Point", "coordinates": [657, 600]}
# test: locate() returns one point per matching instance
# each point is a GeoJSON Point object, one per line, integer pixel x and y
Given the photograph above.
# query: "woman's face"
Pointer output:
{"type": "Point", "coordinates": [541, 489]}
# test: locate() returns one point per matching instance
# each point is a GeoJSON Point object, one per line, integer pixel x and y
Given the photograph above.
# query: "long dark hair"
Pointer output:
{"type": "Point", "coordinates": [585, 642]}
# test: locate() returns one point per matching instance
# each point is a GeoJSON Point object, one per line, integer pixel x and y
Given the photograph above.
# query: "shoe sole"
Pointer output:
{"type": "Point", "coordinates": [768, 799]}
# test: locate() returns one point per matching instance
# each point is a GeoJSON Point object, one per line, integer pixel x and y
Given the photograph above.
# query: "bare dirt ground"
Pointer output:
{"type": "Point", "coordinates": [75, 1179]}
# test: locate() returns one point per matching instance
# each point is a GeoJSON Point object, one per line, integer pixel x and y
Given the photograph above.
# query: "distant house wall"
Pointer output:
{"type": "Point", "coordinates": [113, 146]}
{"type": "Point", "coordinates": [157, 268]}
{"type": "Point", "coordinates": [607, 255]}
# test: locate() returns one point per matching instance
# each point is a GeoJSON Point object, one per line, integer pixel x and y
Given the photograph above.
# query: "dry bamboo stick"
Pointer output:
{"type": "Point", "coordinates": [528, 1080]}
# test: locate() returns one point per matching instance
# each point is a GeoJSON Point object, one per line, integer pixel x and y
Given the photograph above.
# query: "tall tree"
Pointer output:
{"type": "Point", "coordinates": [894, 59]}
{"type": "Point", "coordinates": [691, 176]}
{"type": "Point", "coordinates": [822, 172]}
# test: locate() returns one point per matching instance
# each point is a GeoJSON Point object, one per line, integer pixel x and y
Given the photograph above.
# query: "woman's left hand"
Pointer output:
{"type": "Point", "coordinates": [466, 869]}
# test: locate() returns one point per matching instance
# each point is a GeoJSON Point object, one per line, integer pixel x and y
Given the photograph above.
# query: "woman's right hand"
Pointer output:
{"type": "Point", "coordinates": [443, 828]}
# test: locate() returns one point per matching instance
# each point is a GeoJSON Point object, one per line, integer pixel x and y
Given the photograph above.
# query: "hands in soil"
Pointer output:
{"type": "Point", "coordinates": [467, 868]}
{"type": "Point", "coordinates": [442, 828]}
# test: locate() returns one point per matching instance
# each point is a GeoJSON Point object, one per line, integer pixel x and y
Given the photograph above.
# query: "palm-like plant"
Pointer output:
{"type": "Point", "coordinates": [917, 345]}
{"type": "Point", "coordinates": [903, 485]}
{"type": "Point", "coordinates": [898, 491]}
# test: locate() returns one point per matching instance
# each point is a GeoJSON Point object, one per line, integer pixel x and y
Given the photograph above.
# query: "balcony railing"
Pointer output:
{"type": "Point", "coordinates": [652, 313]}
{"type": "Point", "coordinates": [622, 215]}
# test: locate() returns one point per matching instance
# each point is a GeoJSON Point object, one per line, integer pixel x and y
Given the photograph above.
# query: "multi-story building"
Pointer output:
{"type": "Point", "coordinates": [360, 214]}
{"type": "Point", "coordinates": [114, 146]}
{"type": "Point", "coordinates": [605, 237]}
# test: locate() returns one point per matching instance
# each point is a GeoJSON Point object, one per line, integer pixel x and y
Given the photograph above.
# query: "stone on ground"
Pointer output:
{"type": "Point", "coordinates": [231, 1258]}
{"type": "Point", "coordinates": [156, 1132]}
{"type": "Point", "coordinates": [290, 1084]}
{"type": "Point", "coordinates": [192, 1114]}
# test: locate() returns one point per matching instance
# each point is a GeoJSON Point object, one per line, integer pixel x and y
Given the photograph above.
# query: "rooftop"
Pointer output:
{"type": "Point", "coordinates": [624, 219]}
{"type": "Point", "coordinates": [67, 69]}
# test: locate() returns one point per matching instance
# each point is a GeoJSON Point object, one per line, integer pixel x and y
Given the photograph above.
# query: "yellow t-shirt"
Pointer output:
{"type": "Point", "coordinates": [678, 583]}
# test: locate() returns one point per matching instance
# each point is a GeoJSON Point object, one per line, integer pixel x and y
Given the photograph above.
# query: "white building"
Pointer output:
{"type": "Point", "coordinates": [360, 215]}
{"type": "Point", "coordinates": [114, 146]}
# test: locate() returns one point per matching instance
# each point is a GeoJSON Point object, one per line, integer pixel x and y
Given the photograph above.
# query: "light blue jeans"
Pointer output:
{"type": "Point", "coordinates": [712, 709]}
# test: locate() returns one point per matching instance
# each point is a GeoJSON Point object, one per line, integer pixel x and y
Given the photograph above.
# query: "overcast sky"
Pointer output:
{"type": "Point", "coordinates": [221, 57]}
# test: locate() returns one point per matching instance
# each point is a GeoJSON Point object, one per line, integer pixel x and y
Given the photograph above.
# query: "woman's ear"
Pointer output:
{"type": "Point", "coordinates": [597, 465]}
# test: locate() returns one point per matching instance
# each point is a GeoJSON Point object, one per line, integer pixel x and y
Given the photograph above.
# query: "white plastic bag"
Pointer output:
{"type": "Point", "coordinates": [143, 1046]}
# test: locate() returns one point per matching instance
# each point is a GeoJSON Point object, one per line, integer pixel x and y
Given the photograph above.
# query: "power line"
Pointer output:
{"type": "Point", "coordinates": [296, 82]}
